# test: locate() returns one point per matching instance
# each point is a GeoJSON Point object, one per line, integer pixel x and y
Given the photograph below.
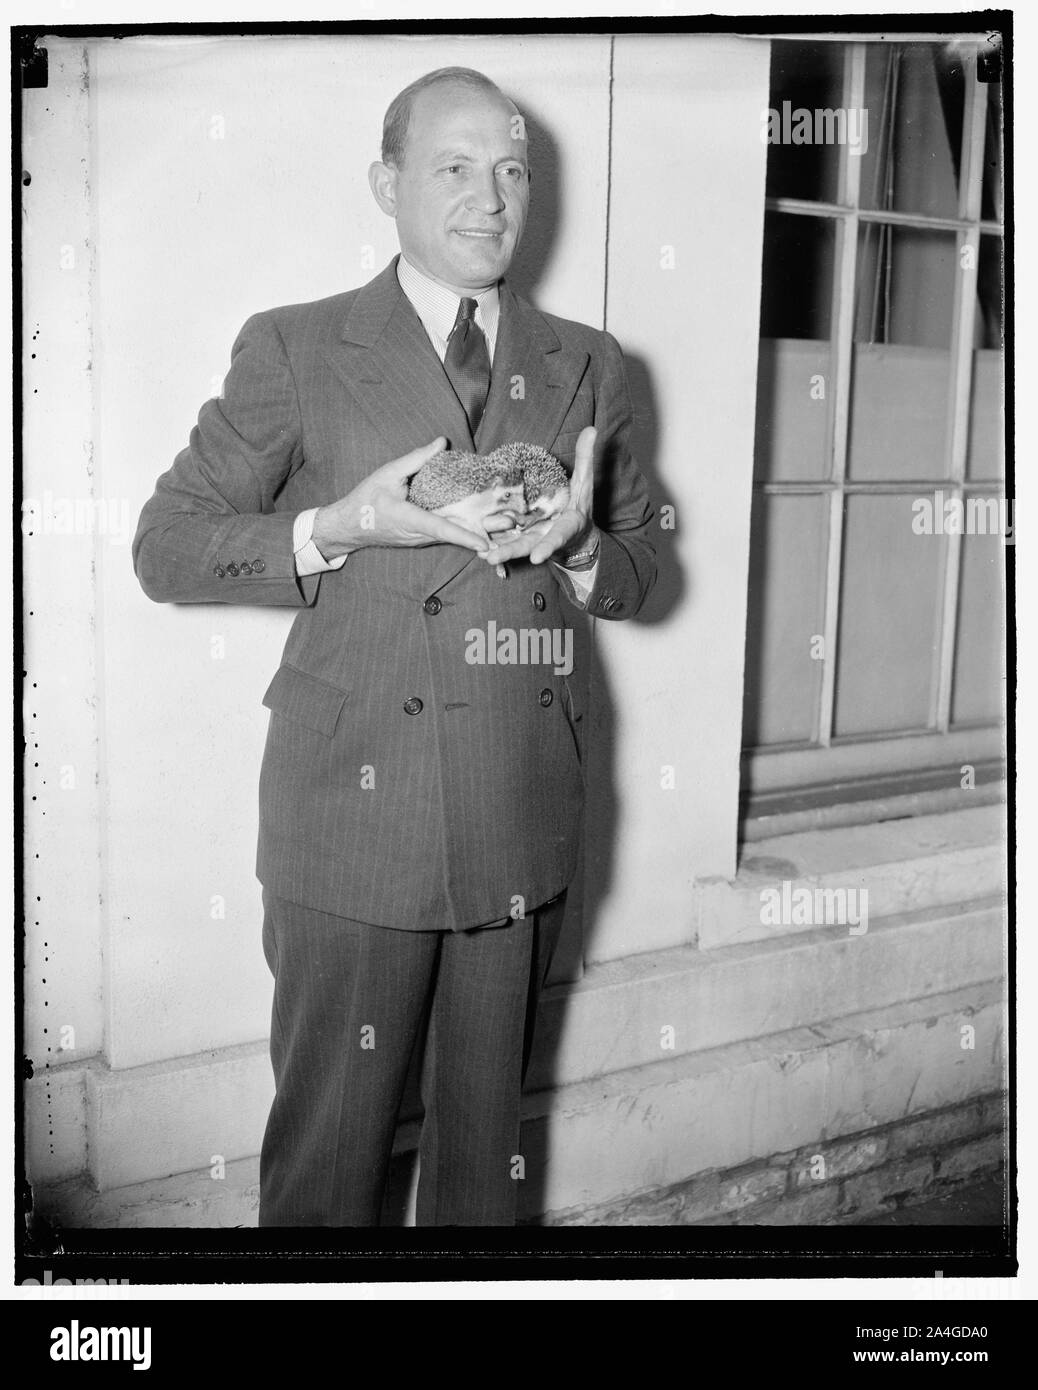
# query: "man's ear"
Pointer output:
{"type": "Point", "coordinates": [382, 178]}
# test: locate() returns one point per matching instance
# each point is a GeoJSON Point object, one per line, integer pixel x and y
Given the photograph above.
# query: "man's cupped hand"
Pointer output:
{"type": "Point", "coordinates": [566, 531]}
{"type": "Point", "coordinates": [377, 512]}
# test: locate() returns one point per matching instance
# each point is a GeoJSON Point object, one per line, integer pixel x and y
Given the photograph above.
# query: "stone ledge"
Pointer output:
{"type": "Point", "coordinates": [905, 865]}
{"type": "Point", "coordinates": [608, 1140]}
{"type": "Point", "coordinates": [150, 1122]}
{"type": "Point", "coordinates": [887, 805]}
{"type": "Point", "coordinates": [693, 1127]}
{"type": "Point", "coordinates": [876, 1171]}
{"type": "Point", "coordinates": [611, 1019]}
{"type": "Point", "coordinates": [188, 1200]}
{"type": "Point", "coordinates": [862, 1175]}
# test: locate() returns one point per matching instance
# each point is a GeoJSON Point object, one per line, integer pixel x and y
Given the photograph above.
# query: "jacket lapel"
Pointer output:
{"type": "Point", "coordinates": [533, 382]}
{"type": "Point", "coordinates": [386, 362]}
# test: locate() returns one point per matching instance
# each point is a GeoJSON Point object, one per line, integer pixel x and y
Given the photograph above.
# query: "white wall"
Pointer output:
{"type": "Point", "coordinates": [224, 176]}
{"type": "Point", "coordinates": [276, 211]}
{"type": "Point", "coordinates": [685, 227]}
{"type": "Point", "coordinates": [63, 874]}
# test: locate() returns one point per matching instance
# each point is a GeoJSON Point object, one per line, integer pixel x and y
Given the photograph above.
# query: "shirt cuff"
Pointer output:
{"type": "Point", "coordinates": [309, 559]}
{"type": "Point", "coordinates": [579, 583]}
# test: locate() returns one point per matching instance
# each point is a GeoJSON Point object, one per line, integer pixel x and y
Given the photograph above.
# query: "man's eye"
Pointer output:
{"type": "Point", "coordinates": [513, 171]}
{"type": "Point", "coordinates": [453, 169]}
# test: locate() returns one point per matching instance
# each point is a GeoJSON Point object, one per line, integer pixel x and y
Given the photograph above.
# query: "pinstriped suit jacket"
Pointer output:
{"type": "Point", "coordinates": [423, 820]}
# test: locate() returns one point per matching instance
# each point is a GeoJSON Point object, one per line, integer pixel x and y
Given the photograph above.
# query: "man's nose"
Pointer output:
{"type": "Point", "coordinates": [484, 194]}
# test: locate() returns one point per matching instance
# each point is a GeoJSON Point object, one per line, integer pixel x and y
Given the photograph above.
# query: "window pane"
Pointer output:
{"type": "Point", "coordinates": [990, 327]}
{"type": "Point", "coordinates": [914, 95]}
{"type": "Point", "coordinates": [977, 691]}
{"type": "Point", "coordinates": [797, 276]}
{"type": "Point", "coordinates": [890, 585]}
{"type": "Point", "coordinates": [905, 285]}
{"type": "Point", "coordinates": [985, 456]}
{"type": "Point", "coordinates": [788, 538]}
{"type": "Point", "coordinates": [902, 357]}
{"type": "Point", "coordinates": [807, 76]}
{"type": "Point", "coordinates": [793, 378]}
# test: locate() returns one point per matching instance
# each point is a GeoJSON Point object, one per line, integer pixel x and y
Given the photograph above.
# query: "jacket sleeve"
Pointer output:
{"type": "Point", "coordinates": [626, 569]}
{"type": "Point", "coordinates": [211, 533]}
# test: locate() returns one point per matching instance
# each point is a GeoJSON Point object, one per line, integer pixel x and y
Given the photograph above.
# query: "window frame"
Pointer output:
{"type": "Point", "coordinates": [768, 770]}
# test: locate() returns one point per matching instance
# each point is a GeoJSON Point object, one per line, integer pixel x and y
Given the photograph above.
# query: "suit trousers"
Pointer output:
{"type": "Point", "coordinates": [351, 1003]}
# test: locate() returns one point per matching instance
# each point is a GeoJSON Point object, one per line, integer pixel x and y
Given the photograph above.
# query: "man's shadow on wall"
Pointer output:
{"type": "Point", "coordinates": [595, 872]}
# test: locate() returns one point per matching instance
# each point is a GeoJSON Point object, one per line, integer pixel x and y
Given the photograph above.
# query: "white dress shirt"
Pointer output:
{"type": "Point", "coordinates": [437, 308]}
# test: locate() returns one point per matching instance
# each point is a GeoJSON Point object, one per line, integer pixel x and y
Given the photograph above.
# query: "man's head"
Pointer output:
{"type": "Point", "coordinates": [454, 175]}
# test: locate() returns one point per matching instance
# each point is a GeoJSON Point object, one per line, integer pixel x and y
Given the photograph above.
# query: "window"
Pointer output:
{"type": "Point", "coordinates": [875, 633]}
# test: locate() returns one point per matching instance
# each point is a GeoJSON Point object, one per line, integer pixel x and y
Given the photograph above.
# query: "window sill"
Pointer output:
{"type": "Point", "coordinates": [907, 865]}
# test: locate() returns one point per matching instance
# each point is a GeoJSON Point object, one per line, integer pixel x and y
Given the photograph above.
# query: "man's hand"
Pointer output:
{"type": "Point", "coordinates": [572, 526]}
{"type": "Point", "coordinates": [377, 512]}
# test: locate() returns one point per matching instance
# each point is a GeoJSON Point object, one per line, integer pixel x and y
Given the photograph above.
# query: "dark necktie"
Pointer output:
{"type": "Point", "coordinates": [467, 363]}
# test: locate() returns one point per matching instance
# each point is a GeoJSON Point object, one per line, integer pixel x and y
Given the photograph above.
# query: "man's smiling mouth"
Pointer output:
{"type": "Point", "coordinates": [486, 236]}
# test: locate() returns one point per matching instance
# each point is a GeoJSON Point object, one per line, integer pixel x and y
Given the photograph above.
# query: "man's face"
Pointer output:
{"type": "Point", "coordinates": [461, 197]}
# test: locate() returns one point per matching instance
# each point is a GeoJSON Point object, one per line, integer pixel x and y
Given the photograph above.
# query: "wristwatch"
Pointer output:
{"type": "Point", "coordinates": [583, 558]}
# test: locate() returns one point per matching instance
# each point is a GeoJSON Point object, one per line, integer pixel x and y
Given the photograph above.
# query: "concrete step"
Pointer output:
{"type": "Point", "coordinates": [647, 1008]}
{"type": "Point", "coordinates": [156, 1120]}
{"type": "Point", "coordinates": [903, 866]}
{"type": "Point", "coordinates": [149, 1122]}
{"type": "Point", "coordinates": [656, 1125]}
{"type": "Point", "coordinates": [836, 1181]}
{"type": "Point", "coordinates": [192, 1200]}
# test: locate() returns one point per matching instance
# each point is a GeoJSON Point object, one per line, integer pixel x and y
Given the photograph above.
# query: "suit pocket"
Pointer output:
{"type": "Point", "coordinates": [574, 700]}
{"type": "Point", "coordinates": [307, 699]}
{"type": "Point", "coordinates": [574, 716]}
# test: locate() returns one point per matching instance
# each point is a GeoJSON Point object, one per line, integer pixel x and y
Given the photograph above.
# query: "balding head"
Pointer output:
{"type": "Point", "coordinates": [454, 175]}
{"type": "Point", "coordinates": [397, 121]}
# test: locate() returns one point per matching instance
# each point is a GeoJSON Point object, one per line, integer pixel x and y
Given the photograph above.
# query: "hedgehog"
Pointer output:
{"type": "Point", "coordinates": [499, 494]}
{"type": "Point", "coordinates": [467, 488]}
{"type": "Point", "coordinates": [545, 481]}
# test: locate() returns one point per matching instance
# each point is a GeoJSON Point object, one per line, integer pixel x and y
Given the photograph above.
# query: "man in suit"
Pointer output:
{"type": "Point", "coordinates": [420, 808]}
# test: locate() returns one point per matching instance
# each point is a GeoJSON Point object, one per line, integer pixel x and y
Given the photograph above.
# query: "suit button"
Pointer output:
{"type": "Point", "coordinates": [546, 698]}
{"type": "Point", "coordinates": [538, 601]}
{"type": "Point", "coordinates": [432, 606]}
{"type": "Point", "coordinates": [219, 571]}
{"type": "Point", "coordinates": [232, 570]}
{"type": "Point", "coordinates": [258, 567]}
{"type": "Point", "coordinates": [413, 705]}
{"type": "Point", "coordinates": [246, 568]}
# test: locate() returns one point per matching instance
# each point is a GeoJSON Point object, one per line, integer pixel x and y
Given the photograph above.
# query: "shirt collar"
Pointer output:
{"type": "Point", "coordinates": [437, 307]}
